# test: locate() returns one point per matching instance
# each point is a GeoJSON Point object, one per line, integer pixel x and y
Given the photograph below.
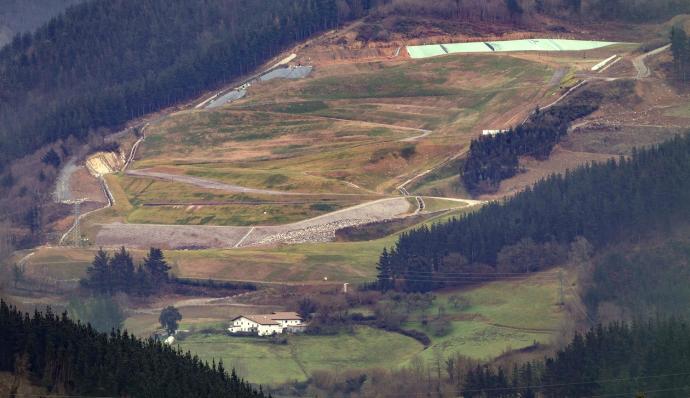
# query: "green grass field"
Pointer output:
{"type": "Point", "coordinates": [338, 126]}
{"type": "Point", "coordinates": [338, 261]}
{"type": "Point", "coordinates": [326, 134]}
{"type": "Point", "coordinates": [268, 363]}
{"type": "Point", "coordinates": [502, 316]}
{"type": "Point", "coordinates": [679, 111]}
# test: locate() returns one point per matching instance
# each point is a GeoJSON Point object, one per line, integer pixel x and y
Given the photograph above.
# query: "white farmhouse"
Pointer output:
{"type": "Point", "coordinates": [267, 324]}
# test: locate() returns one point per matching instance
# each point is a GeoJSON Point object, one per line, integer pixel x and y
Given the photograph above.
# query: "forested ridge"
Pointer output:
{"type": "Point", "coordinates": [105, 62]}
{"type": "Point", "coordinates": [628, 360]}
{"type": "Point", "coordinates": [71, 358]}
{"type": "Point", "coordinates": [493, 158]}
{"type": "Point", "coordinates": [599, 202]}
{"type": "Point", "coordinates": [20, 16]}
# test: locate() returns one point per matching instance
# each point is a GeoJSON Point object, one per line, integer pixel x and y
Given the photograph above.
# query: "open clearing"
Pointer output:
{"type": "Point", "coordinates": [269, 363]}
{"type": "Point", "coordinates": [318, 229]}
{"type": "Point", "coordinates": [299, 263]}
{"type": "Point", "coordinates": [346, 123]}
{"type": "Point", "coordinates": [502, 315]}
{"type": "Point", "coordinates": [346, 132]}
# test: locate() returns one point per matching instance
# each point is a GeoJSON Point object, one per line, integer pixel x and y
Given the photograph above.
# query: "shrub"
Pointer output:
{"type": "Point", "coordinates": [408, 151]}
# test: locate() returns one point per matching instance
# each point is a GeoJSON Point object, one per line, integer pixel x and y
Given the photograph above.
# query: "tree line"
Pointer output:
{"type": "Point", "coordinates": [104, 62]}
{"type": "Point", "coordinates": [599, 203]}
{"type": "Point", "coordinates": [635, 360]}
{"type": "Point", "coordinates": [680, 48]}
{"type": "Point", "coordinates": [492, 10]}
{"type": "Point", "coordinates": [72, 358]}
{"type": "Point", "coordinates": [494, 158]}
{"type": "Point", "coordinates": [640, 283]}
{"type": "Point", "coordinates": [109, 275]}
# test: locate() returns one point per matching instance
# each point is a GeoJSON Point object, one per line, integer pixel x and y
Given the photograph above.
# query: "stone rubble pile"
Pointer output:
{"type": "Point", "coordinates": [315, 233]}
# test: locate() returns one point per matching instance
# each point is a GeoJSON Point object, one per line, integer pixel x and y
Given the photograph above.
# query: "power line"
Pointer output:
{"type": "Point", "coordinates": [642, 392]}
{"type": "Point", "coordinates": [618, 380]}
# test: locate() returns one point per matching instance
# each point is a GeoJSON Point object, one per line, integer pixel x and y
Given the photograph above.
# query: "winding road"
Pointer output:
{"type": "Point", "coordinates": [643, 70]}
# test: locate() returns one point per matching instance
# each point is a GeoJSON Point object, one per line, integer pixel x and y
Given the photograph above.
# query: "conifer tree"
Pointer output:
{"type": "Point", "coordinates": [680, 48]}
{"type": "Point", "coordinates": [156, 266]}
{"type": "Point", "coordinates": [122, 268]}
{"type": "Point", "coordinates": [384, 275]}
{"type": "Point", "coordinates": [98, 274]}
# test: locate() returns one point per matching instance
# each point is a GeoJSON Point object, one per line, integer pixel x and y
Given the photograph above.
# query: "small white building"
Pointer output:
{"type": "Point", "coordinates": [493, 132]}
{"type": "Point", "coordinates": [267, 324]}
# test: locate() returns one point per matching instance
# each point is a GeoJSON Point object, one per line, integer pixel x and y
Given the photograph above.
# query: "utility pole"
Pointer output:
{"type": "Point", "coordinates": [560, 288]}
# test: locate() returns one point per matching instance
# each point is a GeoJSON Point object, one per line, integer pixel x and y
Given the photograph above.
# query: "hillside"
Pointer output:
{"type": "Point", "coordinates": [23, 16]}
{"type": "Point", "coordinates": [120, 60]}
{"type": "Point", "coordinates": [43, 346]}
{"type": "Point", "coordinates": [433, 186]}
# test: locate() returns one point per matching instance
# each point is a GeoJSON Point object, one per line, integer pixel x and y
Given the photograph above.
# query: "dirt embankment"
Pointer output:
{"type": "Point", "coordinates": [102, 163]}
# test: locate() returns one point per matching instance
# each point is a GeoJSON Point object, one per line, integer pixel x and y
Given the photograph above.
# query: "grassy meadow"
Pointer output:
{"type": "Point", "coordinates": [347, 124]}
{"type": "Point", "coordinates": [501, 316]}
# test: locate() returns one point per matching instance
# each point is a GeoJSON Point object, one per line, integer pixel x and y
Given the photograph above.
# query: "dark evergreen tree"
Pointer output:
{"type": "Point", "coordinates": [384, 275]}
{"type": "Point", "coordinates": [118, 274]}
{"type": "Point", "coordinates": [122, 269]}
{"type": "Point", "coordinates": [52, 158]}
{"type": "Point", "coordinates": [602, 203]}
{"type": "Point", "coordinates": [494, 158]}
{"type": "Point", "coordinates": [156, 266]}
{"type": "Point", "coordinates": [680, 48]}
{"type": "Point", "coordinates": [69, 358]}
{"type": "Point", "coordinates": [98, 275]}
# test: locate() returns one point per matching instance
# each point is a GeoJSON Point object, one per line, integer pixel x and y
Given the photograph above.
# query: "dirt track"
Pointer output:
{"type": "Point", "coordinates": [643, 70]}
{"type": "Point", "coordinates": [203, 182]}
{"type": "Point", "coordinates": [212, 184]}
{"type": "Point", "coordinates": [318, 229]}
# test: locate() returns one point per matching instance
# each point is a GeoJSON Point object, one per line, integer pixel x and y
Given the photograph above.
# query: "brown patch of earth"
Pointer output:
{"type": "Point", "coordinates": [84, 185]}
{"type": "Point", "coordinates": [560, 161]}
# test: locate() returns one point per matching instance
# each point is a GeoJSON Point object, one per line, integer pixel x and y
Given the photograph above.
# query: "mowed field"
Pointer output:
{"type": "Point", "coordinates": [502, 316]}
{"type": "Point", "coordinates": [357, 128]}
{"type": "Point", "coordinates": [269, 363]}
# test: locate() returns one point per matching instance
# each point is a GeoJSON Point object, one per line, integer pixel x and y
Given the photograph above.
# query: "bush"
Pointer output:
{"type": "Point", "coordinates": [322, 207]}
{"type": "Point", "coordinates": [210, 283]}
{"type": "Point", "coordinates": [417, 335]}
{"type": "Point", "coordinates": [52, 158]}
{"type": "Point", "coordinates": [440, 327]}
{"type": "Point", "coordinates": [459, 303]}
{"type": "Point", "coordinates": [408, 151]}
{"type": "Point", "coordinates": [528, 256]}
{"type": "Point", "coordinates": [105, 147]}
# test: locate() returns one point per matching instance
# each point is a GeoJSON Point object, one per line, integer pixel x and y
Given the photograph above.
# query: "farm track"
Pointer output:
{"type": "Point", "coordinates": [643, 71]}
{"type": "Point", "coordinates": [231, 188]}
{"type": "Point", "coordinates": [111, 201]}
